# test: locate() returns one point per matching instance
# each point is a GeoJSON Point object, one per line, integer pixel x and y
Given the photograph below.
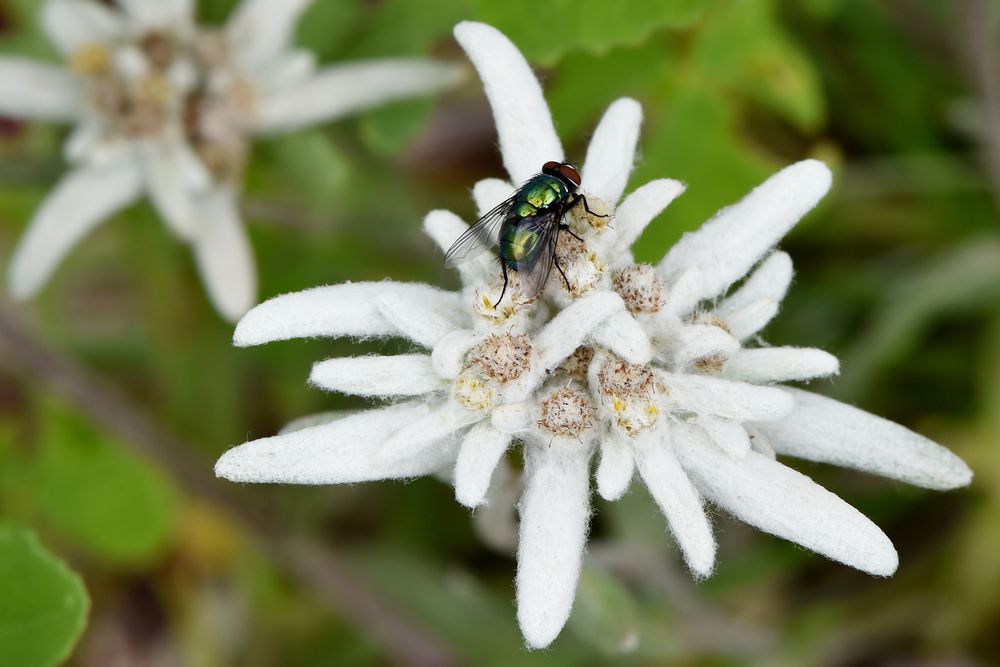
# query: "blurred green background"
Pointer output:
{"type": "Point", "coordinates": [119, 386]}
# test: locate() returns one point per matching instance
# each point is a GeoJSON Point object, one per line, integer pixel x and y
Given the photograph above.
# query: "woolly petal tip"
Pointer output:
{"type": "Point", "coordinates": [679, 502]}
{"type": "Point", "coordinates": [524, 125]}
{"type": "Point", "coordinates": [555, 509]}
{"type": "Point", "coordinates": [612, 150]}
{"type": "Point", "coordinates": [615, 470]}
{"type": "Point", "coordinates": [786, 503]}
{"type": "Point", "coordinates": [825, 430]}
{"type": "Point", "coordinates": [640, 208]}
{"type": "Point", "coordinates": [343, 451]}
{"type": "Point", "coordinates": [729, 244]}
{"type": "Point", "coordinates": [765, 365]}
{"type": "Point", "coordinates": [223, 254]}
{"type": "Point", "coordinates": [478, 456]}
{"type": "Point", "coordinates": [350, 309]}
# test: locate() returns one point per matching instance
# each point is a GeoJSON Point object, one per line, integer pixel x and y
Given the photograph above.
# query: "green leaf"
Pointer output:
{"type": "Point", "coordinates": [404, 27]}
{"type": "Point", "coordinates": [388, 130]}
{"type": "Point", "coordinates": [604, 613]}
{"type": "Point", "coordinates": [107, 501]}
{"type": "Point", "coordinates": [586, 84]}
{"type": "Point", "coordinates": [43, 608]}
{"type": "Point", "coordinates": [964, 277]}
{"type": "Point", "coordinates": [546, 31]}
{"type": "Point", "coordinates": [743, 49]}
{"type": "Point", "coordinates": [311, 165]}
{"type": "Point", "coordinates": [325, 25]}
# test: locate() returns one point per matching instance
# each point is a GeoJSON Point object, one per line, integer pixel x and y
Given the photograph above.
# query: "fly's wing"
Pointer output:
{"type": "Point", "coordinates": [482, 236]}
{"type": "Point", "coordinates": [535, 272]}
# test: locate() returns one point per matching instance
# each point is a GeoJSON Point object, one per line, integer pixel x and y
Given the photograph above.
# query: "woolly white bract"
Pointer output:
{"type": "Point", "coordinates": [164, 107]}
{"type": "Point", "coordinates": [648, 366]}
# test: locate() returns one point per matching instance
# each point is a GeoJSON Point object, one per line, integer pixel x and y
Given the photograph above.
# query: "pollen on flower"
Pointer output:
{"type": "Point", "coordinates": [144, 86]}
{"type": "Point", "coordinates": [639, 287]}
{"type": "Point", "coordinates": [502, 357]}
{"type": "Point", "coordinates": [90, 60]}
{"type": "Point", "coordinates": [474, 392]}
{"type": "Point", "coordinates": [632, 394]}
{"type": "Point", "coordinates": [582, 267]}
{"type": "Point", "coordinates": [566, 412]}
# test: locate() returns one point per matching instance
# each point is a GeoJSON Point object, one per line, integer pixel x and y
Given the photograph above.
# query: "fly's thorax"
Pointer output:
{"type": "Point", "coordinates": [539, 195]}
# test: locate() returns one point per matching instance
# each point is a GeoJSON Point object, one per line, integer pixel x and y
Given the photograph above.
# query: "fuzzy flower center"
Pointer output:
{"type": "Point", "coordinates": [502, 357]}
{"type": "Point", "coordinates": [474, 392]}
{"type": "Point", "coordinates": [639, 287]}
{"type": "Point", "coordinates": [566, 412]}
{"type": "Point", "coordinates": [631, 392]}
{"type": "Point", "coordinates": [158, 83]}
{"type": "Point", "coordinates": [489, 305]}
{"type": "Point", "coordinates": [582, 267]}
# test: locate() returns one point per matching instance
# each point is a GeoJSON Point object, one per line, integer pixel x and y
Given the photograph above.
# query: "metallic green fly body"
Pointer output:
{"type": "Point", "coordinates": [524, 229]}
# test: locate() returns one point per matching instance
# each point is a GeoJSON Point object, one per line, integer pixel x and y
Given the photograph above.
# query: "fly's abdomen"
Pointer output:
{"type": "Point", "coordinates": [519, 246]}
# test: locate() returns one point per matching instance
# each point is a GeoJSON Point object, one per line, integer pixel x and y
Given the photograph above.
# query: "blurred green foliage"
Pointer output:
{"type": "Point", "coordinates": [44, 604]}
{"type": "Point", "coordinates": [897, 275]}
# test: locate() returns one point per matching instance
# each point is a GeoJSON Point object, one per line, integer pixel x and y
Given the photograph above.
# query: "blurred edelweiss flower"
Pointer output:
{"type": "Point", "coordinates": [168, 108]}
{"type": "Point", "coordinates": [647, 364]}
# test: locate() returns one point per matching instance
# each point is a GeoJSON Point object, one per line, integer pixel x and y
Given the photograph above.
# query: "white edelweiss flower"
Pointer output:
{"type": "Point", "coordinates": [645, 364]}
{"type": "Point", "coordinates": [166, 108]}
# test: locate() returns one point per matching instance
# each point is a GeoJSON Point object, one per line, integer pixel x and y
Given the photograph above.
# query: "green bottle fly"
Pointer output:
{"type": "Point", "coordinates": [524, 228]}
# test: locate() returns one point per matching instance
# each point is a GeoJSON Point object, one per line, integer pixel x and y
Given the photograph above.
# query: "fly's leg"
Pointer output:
{"type": "Point", "coordinates": [555, 260]}
{"type": "Point", "coordinates": [503, 265]}
{"type": "Point", "coordinates": [586, 207]}
{"type": "Point", "coordinates": [565, 228]}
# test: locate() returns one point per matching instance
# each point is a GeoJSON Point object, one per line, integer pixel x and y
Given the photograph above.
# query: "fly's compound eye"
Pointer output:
{"type": "Point", "coordinates": [570, 173]}
{"type": "Point", "coordinates": [551, 167]}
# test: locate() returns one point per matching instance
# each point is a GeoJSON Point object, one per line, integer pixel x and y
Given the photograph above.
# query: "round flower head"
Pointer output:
{"type": "Point", "coordinates": [645, 366]}
{"type": "Point", "coordinates": [164, 107]}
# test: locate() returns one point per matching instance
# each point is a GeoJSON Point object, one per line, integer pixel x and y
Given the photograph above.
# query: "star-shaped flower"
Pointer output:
{"type": "Point", "coordinates": [647, 365]}
{"type": "Point", "coordinates": [167, 108]}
